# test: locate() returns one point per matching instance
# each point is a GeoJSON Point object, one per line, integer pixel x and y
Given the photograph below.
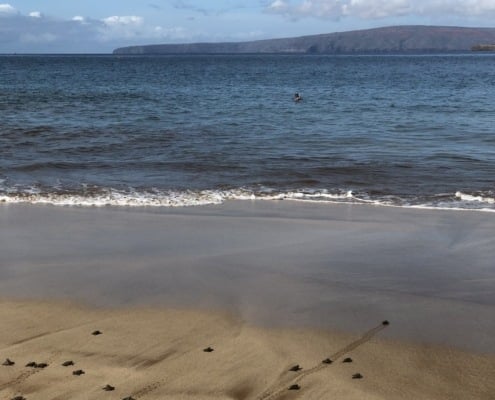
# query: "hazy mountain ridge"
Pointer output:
{"type": "Point", "coordinates": [394, 39]}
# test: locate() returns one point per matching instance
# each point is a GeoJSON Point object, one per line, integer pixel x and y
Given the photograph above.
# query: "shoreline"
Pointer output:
{"type": "Point", "coordinates": [266, 285]}
{"type": "Point", "coordinates": [204, 198]}
{"type": "Point", "coordinates": [271, 263]}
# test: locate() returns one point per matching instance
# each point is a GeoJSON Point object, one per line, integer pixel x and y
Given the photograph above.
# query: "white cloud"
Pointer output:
{"type": "Point", "coordinates": [118, 27]}
{"type": "Point", "coordinates": [128, 20]}
{"type": "Point", "coordinates": [366, 9]}
{"type": "Point", "coordinates": [133, 28]}
{"type": "Point", "coordinates": [7, 9]}
{"type": "Point", "coordinates": [279, 6]}
{"type": "Point", "coordinates": [35, 32]}
{"type": "Point", "coordinates": [35, 14]}
{"type": "Point", "coordinates": [332, 9]}
{"type": "Point", "coordinates": [459, 7]}
{"type": "Point", "coordinates": [375, 9]}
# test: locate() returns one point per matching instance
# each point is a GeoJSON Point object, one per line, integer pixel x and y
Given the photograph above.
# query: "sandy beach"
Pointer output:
{"type": "Point", "coordinates": [267, 286]}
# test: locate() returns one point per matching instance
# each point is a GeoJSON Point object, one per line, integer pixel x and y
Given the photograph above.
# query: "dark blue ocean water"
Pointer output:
{"type": "Point", "coordinates": [415, 130]}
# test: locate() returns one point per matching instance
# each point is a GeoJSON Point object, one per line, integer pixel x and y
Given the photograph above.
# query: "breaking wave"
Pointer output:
{"type": "Point", "coordinates": [102, 197]}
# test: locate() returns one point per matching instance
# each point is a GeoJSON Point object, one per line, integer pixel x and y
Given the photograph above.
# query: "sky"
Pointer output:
{"type": "Point", "coordinates": [99, 26]}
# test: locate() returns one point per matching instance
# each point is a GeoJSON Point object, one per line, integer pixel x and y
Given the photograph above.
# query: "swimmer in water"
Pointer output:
{"type": "Point", "coordinates": [297, 97]}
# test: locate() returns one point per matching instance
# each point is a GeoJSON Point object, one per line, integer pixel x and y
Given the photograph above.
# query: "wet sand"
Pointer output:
{"type": "Point", "coordinates": [266, 284]}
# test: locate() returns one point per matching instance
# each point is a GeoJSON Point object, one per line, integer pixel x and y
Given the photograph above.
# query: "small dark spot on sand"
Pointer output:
{"type": "Point", "coordinates": [96, 333]}
{"type": "Point", "coordinates": [327, 361]}
{"type": "Point", "coordinates": [128, 398]}
{"type": "Point", "coordinates": [33, 364]}
{"type": "Point", "coordinates": [68, 363]}
{"type": "Point", "coordinates": [18, 398]}
{"type": "Point", "coordinates": [385, 323]}
{"type": "Point", "coordinates": [208, 350]}
{"type": "Point", "coordinates": [295, 368]}
{"type": "Point", "coordinates": [347, 360]}
{"type": "Point", "coordinates": [8, 362]}
{"type": "Point", "coordinates": [108, 388]}
{"type": "Point", "coordinates": [78, 372]}
{"type": "Point", "coordinates": [357, 376]}
{"type": "Point", "coordinates": [294, 387]}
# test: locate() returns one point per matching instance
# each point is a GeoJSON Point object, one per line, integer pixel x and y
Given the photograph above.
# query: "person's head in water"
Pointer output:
{"type": "Point", "coordinates": [297, 97]}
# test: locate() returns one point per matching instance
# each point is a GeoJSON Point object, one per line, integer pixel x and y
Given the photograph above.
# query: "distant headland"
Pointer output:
{"type": "Point", "coordinates": [393, 39]}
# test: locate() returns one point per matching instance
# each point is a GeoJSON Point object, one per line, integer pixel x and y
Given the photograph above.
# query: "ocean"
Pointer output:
{"type": "Point", "coordinates": [391, 130]}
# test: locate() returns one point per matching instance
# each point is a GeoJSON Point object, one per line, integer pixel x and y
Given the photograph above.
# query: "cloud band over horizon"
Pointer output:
{"type": "Point", "coordinates": [377, 9]}
{"type": "Point", "coordinates": [173, 21]}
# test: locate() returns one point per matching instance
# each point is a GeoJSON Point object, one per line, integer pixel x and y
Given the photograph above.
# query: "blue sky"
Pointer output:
{"type": "Point", "coordinates": [99, 26]}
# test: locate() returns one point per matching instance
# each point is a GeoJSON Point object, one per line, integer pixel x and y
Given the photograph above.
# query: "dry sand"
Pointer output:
{"type": "Point", "coordinates": [159, 354]}
{"type": "Point", "coordinates": [267, 285]}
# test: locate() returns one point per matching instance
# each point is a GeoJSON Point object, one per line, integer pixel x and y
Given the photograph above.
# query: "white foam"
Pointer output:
{"type": "Point", "coordinates": [468, 197]}
{"type": "Point", "coordinates": [316, 195]}
{"type": "Point", "coordinates": [131, 198]}
{"type": "Point", "coordinates": [159, 198]}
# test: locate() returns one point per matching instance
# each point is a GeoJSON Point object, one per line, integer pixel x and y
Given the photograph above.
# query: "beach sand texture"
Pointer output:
{"type": "Point", "coordinates": [159, 354]}
{"type": "Point", "coordinates": [267, 286]}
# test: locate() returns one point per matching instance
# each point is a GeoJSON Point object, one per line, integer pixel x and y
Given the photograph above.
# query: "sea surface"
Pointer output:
{"type": "Point", "coordinates": [400, 130]}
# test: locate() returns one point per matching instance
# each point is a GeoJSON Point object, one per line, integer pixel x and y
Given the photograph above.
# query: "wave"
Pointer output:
{"type": "Point", "coordinates": [475, 198]}
{"type": "Point", "coordinates": [101, 197]}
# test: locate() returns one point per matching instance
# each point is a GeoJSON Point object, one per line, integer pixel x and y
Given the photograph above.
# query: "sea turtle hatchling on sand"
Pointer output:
{"type": "Point", "coordinates": [8, 362]}
{"type": "Point", "coordinates": [108, 388]}
{"type": "Point", "coordinates": [31, 364]}
{"type": "Point", "coordinates": [67, 363]}
{"type": "Point", "coordinates": [78, 372]}
{"type": "Point", "coordinates": [295, 368]}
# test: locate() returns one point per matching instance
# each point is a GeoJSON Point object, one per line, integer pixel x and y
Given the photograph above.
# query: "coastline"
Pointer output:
{"type": "Point", "coordinates": [266, 284]}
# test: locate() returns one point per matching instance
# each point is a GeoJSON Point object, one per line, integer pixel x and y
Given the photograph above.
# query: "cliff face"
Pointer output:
{"type": "Point", "coordinates": [395, 39]}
